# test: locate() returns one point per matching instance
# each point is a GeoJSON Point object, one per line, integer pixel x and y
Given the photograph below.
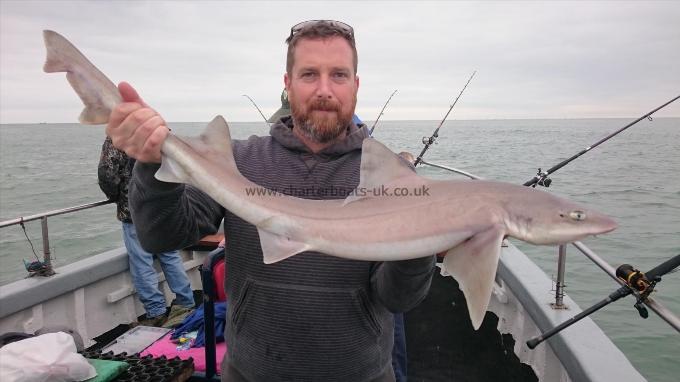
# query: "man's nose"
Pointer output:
{"type": "Point", "coordinates": [323, 89]}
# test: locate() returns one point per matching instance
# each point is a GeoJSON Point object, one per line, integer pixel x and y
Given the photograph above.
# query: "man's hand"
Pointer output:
{"type": "Point", "coordinates": [135, 128]}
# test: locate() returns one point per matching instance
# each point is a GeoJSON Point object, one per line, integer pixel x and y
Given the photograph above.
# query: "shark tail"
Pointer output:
{"type": "Point", "coordinates": [98, 93]}
{"type": "Point", "coordinates": [53, 61]}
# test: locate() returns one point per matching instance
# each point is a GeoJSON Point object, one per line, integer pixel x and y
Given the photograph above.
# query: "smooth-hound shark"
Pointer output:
{"type": "Point", "coordinates": [467, 219]}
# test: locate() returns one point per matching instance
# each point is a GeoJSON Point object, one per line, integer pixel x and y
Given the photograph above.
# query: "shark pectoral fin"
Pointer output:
{"type": "Point", "coordinates": [473, 264]}
{"type": "Point", "coordinates": [276, 247]}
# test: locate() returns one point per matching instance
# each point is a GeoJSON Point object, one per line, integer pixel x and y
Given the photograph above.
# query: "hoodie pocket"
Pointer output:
{"type": "Point", "coordinates": [336, 333]}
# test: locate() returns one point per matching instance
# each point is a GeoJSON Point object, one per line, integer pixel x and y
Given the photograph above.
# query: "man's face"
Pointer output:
{"type": "Point", "coordinates": [322, 88]}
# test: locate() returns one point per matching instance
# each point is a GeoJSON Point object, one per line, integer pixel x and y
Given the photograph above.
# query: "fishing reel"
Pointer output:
{"type": "Point", "coordinates": [638, 282]}
{"type": "Point", "coordinates": [427, 141]}
{"type": "Point", "coordinates": [542, 178]}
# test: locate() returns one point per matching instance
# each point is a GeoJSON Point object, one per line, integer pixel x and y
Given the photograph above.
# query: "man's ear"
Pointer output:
{"type": "Point", "coordinates": [286, 81]}
{"type": "Point", "coordinates": [356, 81]}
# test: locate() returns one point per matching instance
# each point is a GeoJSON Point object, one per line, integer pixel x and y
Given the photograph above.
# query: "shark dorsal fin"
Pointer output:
{"type": "Point", "coordinates": [217, 136]}
{"type": "Point", "coordinates": [218, 130]}
{"type": "Point", "coordinates": [379, 166]}
{"type": "Point", "coordinates": [213, 143]}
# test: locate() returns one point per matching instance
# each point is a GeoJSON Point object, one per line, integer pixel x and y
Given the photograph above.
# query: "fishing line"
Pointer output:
{"type": "Point", "coordinates": [370, 132]}
{"type": "Point", "coordinates": [432, 139]}
{"type": "Point", "coordinates": [258, 109]}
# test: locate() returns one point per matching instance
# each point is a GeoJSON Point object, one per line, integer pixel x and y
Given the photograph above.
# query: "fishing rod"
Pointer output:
{"type": "Point", "coordinates": [634, 282]}
{"type": "Point", "coordinates": [429, 141]}
{"type": "Point", "coordinates": [258, 109]}
{"type": "Point", "coordinates": [370, 132]}
{"type": "Point", "coordinates": [541, 177]}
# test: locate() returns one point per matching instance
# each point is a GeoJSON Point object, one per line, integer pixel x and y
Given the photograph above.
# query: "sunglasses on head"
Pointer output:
{"type": "Point", "coordinates": [345, 28]}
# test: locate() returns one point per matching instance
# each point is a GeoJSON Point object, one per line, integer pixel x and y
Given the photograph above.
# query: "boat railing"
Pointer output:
{"type": "Point", "coordinates": [560, 285]}
{"type": "Point", "coordinates": [658, 308]}
{"type": "Point", "coordinates": [45, 269]}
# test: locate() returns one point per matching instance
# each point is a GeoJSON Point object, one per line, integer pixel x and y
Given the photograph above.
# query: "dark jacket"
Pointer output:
{"type": "Point", "coordinates": [114, 173]}
{"type": "Point", "coordinates": [311, 317]}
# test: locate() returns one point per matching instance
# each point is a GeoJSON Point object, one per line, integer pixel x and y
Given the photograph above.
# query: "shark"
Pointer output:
{"type": "Point", "coordinates": [408, 216]}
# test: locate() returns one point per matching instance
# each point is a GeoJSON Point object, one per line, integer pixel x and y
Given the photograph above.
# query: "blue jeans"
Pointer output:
{"type": "Point", "coordinates": [399, 350]}
{"type": "Point", "coordinates": [145, 279]}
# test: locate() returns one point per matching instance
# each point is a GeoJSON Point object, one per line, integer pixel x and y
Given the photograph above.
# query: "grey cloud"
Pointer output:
{"type": "Point", "coordinates": [192, 60]}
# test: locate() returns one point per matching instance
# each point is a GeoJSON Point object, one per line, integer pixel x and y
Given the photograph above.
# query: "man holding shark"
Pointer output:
{"type": "Point", "coordinates": [309, 317]}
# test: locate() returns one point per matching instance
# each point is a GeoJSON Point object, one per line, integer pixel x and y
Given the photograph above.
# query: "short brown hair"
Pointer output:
{"type": "Point", "coordinates": [318, 30]}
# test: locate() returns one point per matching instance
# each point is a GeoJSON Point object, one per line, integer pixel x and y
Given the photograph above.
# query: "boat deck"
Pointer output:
{"type": "Point", "coordinates": [443, 346]}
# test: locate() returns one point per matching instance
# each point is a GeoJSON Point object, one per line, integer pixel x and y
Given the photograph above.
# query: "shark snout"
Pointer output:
{"type": "Point", "coordinates": [604, 224]}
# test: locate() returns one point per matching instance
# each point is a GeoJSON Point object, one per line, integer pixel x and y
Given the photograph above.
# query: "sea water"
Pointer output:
{"type": "Point", "coordinates": [633, 178]}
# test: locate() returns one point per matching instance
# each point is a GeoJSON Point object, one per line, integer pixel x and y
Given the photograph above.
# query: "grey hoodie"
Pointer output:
{"type": "Point", "coordinates": [311, 317]}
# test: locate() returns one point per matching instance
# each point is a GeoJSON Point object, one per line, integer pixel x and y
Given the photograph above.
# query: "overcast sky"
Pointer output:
{"type": "Point", "coordinates": [194, 60]}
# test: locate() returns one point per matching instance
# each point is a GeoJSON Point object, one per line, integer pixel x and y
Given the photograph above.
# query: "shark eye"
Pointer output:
{"type": "Point", "coordinates": [577, 215]}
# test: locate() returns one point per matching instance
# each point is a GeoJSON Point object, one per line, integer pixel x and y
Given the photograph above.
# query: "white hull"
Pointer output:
{"type": "Point", "coordinates": [91, 296]}
{"type": "Point", "coordinates": [95, 295]}
{"type": "Point", "coordinates": [522, 302]}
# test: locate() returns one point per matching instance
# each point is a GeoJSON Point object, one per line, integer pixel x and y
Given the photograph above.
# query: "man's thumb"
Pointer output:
{"type": "Point", "coordinates": [129, 93]}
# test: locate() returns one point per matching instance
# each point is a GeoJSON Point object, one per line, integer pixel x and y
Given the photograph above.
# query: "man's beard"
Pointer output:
{"type": "Point", "coordinates": [322, 128]}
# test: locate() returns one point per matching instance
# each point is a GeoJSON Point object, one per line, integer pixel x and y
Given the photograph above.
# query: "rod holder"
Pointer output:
{"type": "Point", "coordinates": [559, 284]}
{"type": "Point", "coordinates": [47, 260]}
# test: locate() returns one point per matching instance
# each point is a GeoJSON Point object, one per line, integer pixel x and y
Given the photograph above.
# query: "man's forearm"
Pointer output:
{"type": "Point", "coordinates": [401, 285]}
{"type": "Point", "coordinates": [169, 216]}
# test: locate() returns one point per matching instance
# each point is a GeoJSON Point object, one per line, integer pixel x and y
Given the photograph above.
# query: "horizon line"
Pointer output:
{"type": "Point", "coordinates": [371, 120]}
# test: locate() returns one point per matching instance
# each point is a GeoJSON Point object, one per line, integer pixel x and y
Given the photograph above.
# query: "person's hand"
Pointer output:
{"type": "Point", "coordinates": [135, 128]}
